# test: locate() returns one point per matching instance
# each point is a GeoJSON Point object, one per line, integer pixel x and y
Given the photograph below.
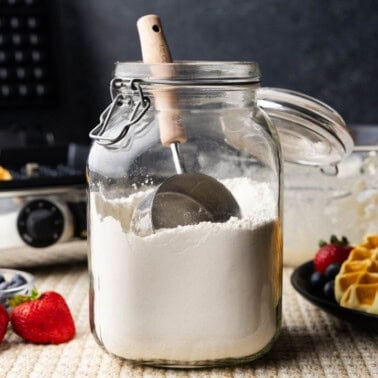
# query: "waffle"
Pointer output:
{"type": "Point", "coordinates": [356, 285]}
{"type": "Point", "coordinates": [4, 174]}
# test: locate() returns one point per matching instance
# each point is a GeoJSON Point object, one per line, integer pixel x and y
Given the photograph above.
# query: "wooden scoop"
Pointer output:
{"type": "Point", "coordinates": [185, 198]}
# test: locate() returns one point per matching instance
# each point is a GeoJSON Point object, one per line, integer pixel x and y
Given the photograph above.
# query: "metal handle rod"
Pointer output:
{"type": "Point", "coordinates": [178, 161]}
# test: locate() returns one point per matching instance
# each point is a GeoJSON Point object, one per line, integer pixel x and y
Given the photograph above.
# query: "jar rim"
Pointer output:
{"type": "Point", "coordinates": [190, 72]}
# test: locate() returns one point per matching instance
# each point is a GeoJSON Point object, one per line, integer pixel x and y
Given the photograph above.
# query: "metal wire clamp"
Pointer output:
{"type": "Point", "coordinates": [140, 108]}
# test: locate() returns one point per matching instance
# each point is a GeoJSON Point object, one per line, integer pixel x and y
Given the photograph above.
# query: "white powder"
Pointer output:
{"type": "Point", "coordinates": [192, 293]}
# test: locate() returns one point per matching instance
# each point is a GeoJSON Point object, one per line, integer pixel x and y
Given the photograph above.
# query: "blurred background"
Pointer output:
{"type": "Point", "coordinates": [57, 56]}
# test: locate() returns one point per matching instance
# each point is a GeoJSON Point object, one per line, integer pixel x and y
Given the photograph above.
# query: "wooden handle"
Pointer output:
{"type": "Point", "coordinates": [155, 50]}
{"type": "Point", "coordinates": [152, 40]}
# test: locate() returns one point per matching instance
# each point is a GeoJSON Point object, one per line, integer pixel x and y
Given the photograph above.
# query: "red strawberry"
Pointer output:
{"type": "Point", "coordinates": [335, 252]}
{"type": "Point", "coordinates": [4, 319]}
{"type": "Point", "coordinates": [43, 318]}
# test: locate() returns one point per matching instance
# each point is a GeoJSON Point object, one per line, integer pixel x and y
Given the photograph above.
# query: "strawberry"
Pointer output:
{"type": "Point", "coordinates": [335, 252]}
{"type": "Point", "coordinates": [42, 318]}
{"type": "Point", "coordinates": [4, 319]}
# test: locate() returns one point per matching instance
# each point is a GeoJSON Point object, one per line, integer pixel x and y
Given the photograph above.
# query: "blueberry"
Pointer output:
{"type": "Point", "coordinates": [2, 278]}
{"type": "Point", "coordinates": [12, 285]}
{"type": "Point", "coordinates": [317, 281]}
{"type": "Point", "coordinates": [4, 285]}
{"type": "Point", "coordinates": [329, 290]}
{"type": "Point", "coordinates": [18, 280]}
{"type": "Point", "coordinates": [331, 271]}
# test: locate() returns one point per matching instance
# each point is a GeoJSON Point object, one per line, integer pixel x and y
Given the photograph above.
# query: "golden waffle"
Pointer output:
{"type": "Point", "coordinates": [4, 174]}
{"type": "Point", "coordinates": [356, 285]}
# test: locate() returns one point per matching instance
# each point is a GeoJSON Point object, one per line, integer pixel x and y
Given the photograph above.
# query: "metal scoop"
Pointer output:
{"type": "Point", "coordinates": [185, 198]}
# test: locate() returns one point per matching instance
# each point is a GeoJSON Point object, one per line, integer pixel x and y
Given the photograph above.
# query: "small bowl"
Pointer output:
{"type": "Point", "coordinates": [25, 287]}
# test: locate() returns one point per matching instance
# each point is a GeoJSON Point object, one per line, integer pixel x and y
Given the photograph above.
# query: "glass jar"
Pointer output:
{"type": "Point", "coordinates": [205, 292]}
{"type": "Point", "coordinates": [342, 201]}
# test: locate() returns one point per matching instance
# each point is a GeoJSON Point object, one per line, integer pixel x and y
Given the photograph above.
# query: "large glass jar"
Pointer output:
{"type": "Point", "coordinates": [206, 293]}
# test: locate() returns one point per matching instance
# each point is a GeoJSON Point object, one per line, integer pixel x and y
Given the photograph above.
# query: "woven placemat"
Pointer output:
{"type": "Point", "coordinates": [312, 343]}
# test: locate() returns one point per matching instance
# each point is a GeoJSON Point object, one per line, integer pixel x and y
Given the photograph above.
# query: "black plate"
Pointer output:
{"type": "Point", "coordinates": [300, 279]}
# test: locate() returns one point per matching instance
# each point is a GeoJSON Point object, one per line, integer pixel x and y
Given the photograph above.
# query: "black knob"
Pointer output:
{"type": "Point", "coordinates": [40, 223]}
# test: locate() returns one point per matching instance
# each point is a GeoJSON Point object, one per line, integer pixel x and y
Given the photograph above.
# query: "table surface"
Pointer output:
{"type": "Point", "coordinates": [312, 343]}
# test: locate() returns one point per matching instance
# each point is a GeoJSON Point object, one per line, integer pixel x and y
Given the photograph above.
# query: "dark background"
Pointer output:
{"type": "Point", "coordinates": [324, 48]}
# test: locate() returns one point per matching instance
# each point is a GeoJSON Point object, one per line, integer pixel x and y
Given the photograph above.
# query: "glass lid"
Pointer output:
{"type": "Point", "coordinates": [310, 131]}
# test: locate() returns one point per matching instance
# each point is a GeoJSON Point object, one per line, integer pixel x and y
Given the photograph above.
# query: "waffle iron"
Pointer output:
{"type": "Point", "coordinates": [43, 205]}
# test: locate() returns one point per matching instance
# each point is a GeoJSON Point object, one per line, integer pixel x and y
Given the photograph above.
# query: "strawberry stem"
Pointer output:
{"type": "Point", "coordinates": [322, 243]}
{"type": "Point", "coordinates": [345, 241]}
{"type": "Point", "coordinates": [334, 240]}
{"type": "Point", "coordinates": [22, 298]}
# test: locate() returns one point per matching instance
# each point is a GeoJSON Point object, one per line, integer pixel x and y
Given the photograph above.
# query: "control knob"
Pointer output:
{"type": "Point", "coordinates": [40, 223]}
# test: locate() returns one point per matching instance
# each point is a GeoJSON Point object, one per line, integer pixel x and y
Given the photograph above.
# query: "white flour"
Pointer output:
{"type": "Point", "coordinates": [207, 291]}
